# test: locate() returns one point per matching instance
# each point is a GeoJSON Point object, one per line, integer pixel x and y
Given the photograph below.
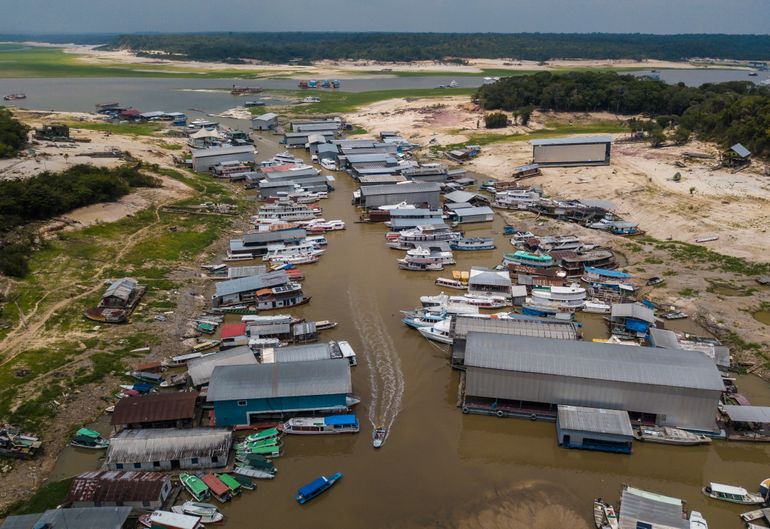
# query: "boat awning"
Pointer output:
{"type": "Point", "coordinates": [341, 420]}
{"type": "Point", "coordinates": [728, 489]}
{"type": "Point", "coordinates": [607, 273]}
{"type": "Point", "coordinates": [759, 414]}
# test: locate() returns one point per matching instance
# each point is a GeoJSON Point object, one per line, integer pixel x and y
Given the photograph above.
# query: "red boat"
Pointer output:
{"type": "Point", "coordinates": [218, 489]}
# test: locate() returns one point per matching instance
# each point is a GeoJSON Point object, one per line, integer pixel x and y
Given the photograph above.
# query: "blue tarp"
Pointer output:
{"type": "Point", "coordinates": [341, 420]}
{"type": "Point", "coordinates": [606, 273]}
{"type": "Point", "coordinates": [637, 326]}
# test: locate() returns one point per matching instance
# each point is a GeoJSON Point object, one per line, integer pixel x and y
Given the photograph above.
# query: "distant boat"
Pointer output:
{"type": "Point", "coordinates": [334, 424]}
{"type": "Point", "coordinates": [732, 494]}
{"type": "Point", "coordinates": [323, 325]}
{"type": "Point", "coordinates": [86, 438]}
{"type": "Point", "coordinates": [378, 439]}
{"type": "Point", "coordinates": [14, 97]}
{"type": "Point", "coordinates": [194, 486]}
{"type": "Point", "coordinates": [317, 487]}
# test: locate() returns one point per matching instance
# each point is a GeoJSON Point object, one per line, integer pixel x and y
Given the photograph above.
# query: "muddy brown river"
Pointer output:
{"type": "Point", "coordinates": [440, 468]}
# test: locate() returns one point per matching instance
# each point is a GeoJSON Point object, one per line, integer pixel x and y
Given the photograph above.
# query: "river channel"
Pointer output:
{"type": "Point", "coordinates": [438, 468]}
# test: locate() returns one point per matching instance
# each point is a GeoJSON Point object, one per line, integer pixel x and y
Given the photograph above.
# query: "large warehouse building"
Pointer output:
{"type": "Point", "coordinates": [565, 152]}
{"type": "Point", "coordinates": [417, 194]}
{"type": "Point", "coordinates": [518, 375]}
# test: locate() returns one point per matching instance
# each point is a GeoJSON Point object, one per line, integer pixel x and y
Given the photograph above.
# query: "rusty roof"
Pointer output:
{"type": "Point", "coordinates": [116, 486]}
{"type": "Point", "coordinates": [155, 408]}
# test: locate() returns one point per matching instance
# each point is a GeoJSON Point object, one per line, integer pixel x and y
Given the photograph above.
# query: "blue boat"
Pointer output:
{"type": "Point", "coordinates": [316, 487]}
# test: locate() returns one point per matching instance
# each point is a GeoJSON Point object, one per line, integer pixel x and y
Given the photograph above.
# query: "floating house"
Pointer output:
{"type": "Point", "coordinates": [156, 410]}
{"type": "Point", "coordinates": [372, 197]}
{"type": "Point", "coordinates": [594, 429]}
{"type": "Point", "coordinates": [300, 139]}
{"type": "Point", "coordinates": [164, 449]}
{"type": "Point", "coordinates": [273, 290]}
{"type": "Point", "coordinates": [472, 215]}
{"type": "Point", "coordinates": [523, 376]}
{"type": "Point", "coordinates": [253, 245]}
{"type": "Point", "coordinates": [631, 319]}
{"type": "Point", "coordinates": [81, 518]}
{"type": "Point", "coordinates": [200, 369]}
{"type": "Point", "coordinates": [142, 491]}
{"type": "Point", "coordinates": [118, 302]}
{"type": "Point", "coordinates": [641, 509]}
{"type": "Point", "coordinates": [519, 326]}
{"type": "Point", "coordinates": [242, 395]}
{"type": "Point", "coordinates": [380, 179]}
{"type": "Point", "coordinates": [571, 152]}
{"type": "Point", "coordinates": [204, 159]}
{"type": "Point", "coordinates": [310, 125]}
{"type": "Point", "coordinates": [266, 121]}
{"type": "Point", "coordinates": [402, 219]}
{"type": "Point", "coordinates": [485, 282]}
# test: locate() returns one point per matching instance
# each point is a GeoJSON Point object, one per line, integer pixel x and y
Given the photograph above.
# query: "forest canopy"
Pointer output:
{"type": "Point", "coordinates": [13, 134]}
{"type": "Point", "coordinates": [308, 47]}
{"type": "Point", "coordinates": [728, 113]}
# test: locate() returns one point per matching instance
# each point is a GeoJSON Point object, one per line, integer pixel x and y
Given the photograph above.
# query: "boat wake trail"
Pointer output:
{"type": "Point", "coordinates": [385, 376]}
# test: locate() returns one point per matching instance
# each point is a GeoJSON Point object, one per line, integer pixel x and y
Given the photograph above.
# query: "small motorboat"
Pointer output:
{"type": "Point", "coordinates": [207, 512]}
{"type": "Point", "coordinates": [604, 515]}
{"type": "Point", "coordinates": [197, 488]}
{"type": "Point", "coordinates": [718, 491]}
{"type": "Point", "coordinates": [451, 283]}
{"type": "Point", "coordinates": [175, 380]}
{"type": "Point", "coordinates": [86, 438]}
{"type": "Point", "coordinates": [378, 439]}
{"type": "Point", "coordinates": [245, 482]}
{"type": "Point", "coordinates": [324, 325]}
{"type": "Point", "coordinates": [674, 315]}
{"type": "Point", "coordinates": [317, 487]}
{"type": "Point", "coordinates": [170, 519]}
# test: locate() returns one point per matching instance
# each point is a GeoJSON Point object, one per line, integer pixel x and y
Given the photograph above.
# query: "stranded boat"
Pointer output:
{"type": "Point", "coordinates": [197, 488]}
{"type": "Point", "coordinates": [14, 443]}
{"type": "Point", "coordinates": [85, 438]}
{"type": "Point", "coordinates": [333, 424]}
{"type": "Point", "coordinates": [316, 487]}
{"type": "Point", "coordinates": [732, 494]}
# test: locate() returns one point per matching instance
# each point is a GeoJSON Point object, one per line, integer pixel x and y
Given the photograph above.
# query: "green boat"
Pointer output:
{"type": "Point", "coordinates": [195, 486]}
{"type": "Point", "coordinates": [264, 451]}
{"type": "Point", "coordinates": [86, 438]}
{"type": "Point", "coordinates": [233, 484]}
{"type": "Point", "coordinates": [207, 328]}
{"type": "Point", "coordinates": [264, 434]}
{"type": "Point", "coordinates": [259, 444]}
{"type": "Point", "coordinates": [245, 482]}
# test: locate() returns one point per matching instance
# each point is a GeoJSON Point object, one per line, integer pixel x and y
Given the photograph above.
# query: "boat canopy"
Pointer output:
{"type": "Point", "coordinates": [728, 489]}
{"type": "Point", "coordinates": [341, 420]}
{"type": "Point", "coordinates": [606, 273]}
{"type": "Point", "coordinates": [313, 486]}
{"type": "Point", "coordinates": [532, 257]}
{"type": "Point", "coordinates": [215, 484]}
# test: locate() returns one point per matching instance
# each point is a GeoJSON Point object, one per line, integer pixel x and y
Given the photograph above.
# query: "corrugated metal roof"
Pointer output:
{"type": "Point", "coordinates": [291, 379]}
{"type": "Point", "coordinates": [117, 486]}
{"type": "Point", "coordinates": [470, 212]}
{"type": "Point", "coordinates": [247, 284]}
{"type": "Point", "coordinates": [155, 407]}
{"type": "Point", "coordinates": [588, 360]}
{"type": "Point", "coordinates": [459, 196]}
{"type": "Point", "coordinates": [222, 151]}
{"type": "Point", "coordinates": [564, 330]}
{"type": "Point", "coordinates": [401, 223]}
{"type": "Point", "coordinates": [232, 330]}
{"type": "Point", "coordinates": [80, 518]}
{"type": "Point", "coordinates": [381, 179]}
{"type": "Point", "coordinates": [293, 234]}
{"type": "Point", "coordinates": [664, 339]}
{"type": "Point", "coordinates": [372, 157]}
{"type": "Point", "coordinates": [200, 369]}
{"type": "Point", "coordinates": [121, 288]}
{"type": "Point", "coordinates": [302, 353]}
{"type": "Point", "coordinates": [389, 189]}
{"type": "Point", "coordinates": [633, 310]}
{"type": "Point", "coordinates": [595, 420]}
{"type": "Point", "coordinates": [234, 272]}
{"type": "Point", "coordinates": [267, 116]}
{"type": "Point", "coordinates": [269, 330]}
{"type": "Point", "coordinates": [572, 141]}
{"type": "Point", "coordinates": [656, 510]}
{"type": "Point", "coordinates": [485, 276]}
{"type": "Point", "coordinates": [416, 212]}
{"type": "Point", "coordinates": [740, 150]}
{"type": "Point", "coordinates": [167, 444]}
{"type": "Point", "coordinates": [760, 414]}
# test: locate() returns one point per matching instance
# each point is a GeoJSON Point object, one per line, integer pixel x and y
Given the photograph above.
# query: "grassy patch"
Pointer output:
{"type": "Point", "coordinates": [131, 129]}
{"type": "Point", "coordinates": [171, 146]}
{"type": "Point", "coordinates": [688, 292]}
{"type": "Point", "coordinates": [49, 496]}
{"type": "Point", "coordinates": [693, 253]}
{"type": "Point", "coordinates": [341, 102]}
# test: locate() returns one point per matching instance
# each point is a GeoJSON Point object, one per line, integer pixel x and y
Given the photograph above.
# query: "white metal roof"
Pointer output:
{"type": "Point", "coordinates": [200, 369]}
{"type": "Point", "coordinates": [572, 141]}
{"type": "Point", "coordinates": [759, 414]}
{"type": "Point", "coordinates": [595, 420]}
{"type": "Point", "coordinates": [728, 489]}
{"type": "Point", "coordinates": [656, 510]}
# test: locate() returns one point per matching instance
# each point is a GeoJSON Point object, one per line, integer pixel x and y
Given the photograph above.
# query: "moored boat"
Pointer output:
{"type": "Point", "coordinates": [87, 438]}
{"type": "Point", "coordinates": [440, 332]}
{"type": "Point", "coordinates": [333, 424]}
{"type": "Point", "coordinates": [413, 266]}
{"type": "Point", "coordinates": [451, 283]}
{"type": "Point", "coordinates": [729, 493]}
{"type": "Point", "coordinates": [248, 471]}
{"type": "Point", "coordinates": [170, 519]}
{"type": "Point", "coordinates": [174, 381]}
{"type": "Point", "coordinates": [197, 488]}
{"type": "Point", "coordinates": [207, 512]}
{"type": "Point", "coordinates": [323, 325]}
{"type": "Point", "coordinates": [473, 243]}
{"type": "Point", "coordinates": [697, 521]}
{"type": "Point", "coordinates": [233, 484]}
{"type": "Point", "coordinates": [669, 435]}
{"type": "Point", "coordinates": [604, 515]}
{"type": "Point", "coordinates": [269, 433]}
{"type": "Point", "coordinates": [316, 487]}
{"type": "Point", "coordinates": [218, 489]}
{"type": "Point", "coordinates": [597, 307]}
{"type": "Point", "coordinates": [244, 481]}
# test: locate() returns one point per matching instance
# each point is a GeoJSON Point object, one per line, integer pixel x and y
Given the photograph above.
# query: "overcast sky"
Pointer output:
{"type": "Point", "coordinates": [507, 16]}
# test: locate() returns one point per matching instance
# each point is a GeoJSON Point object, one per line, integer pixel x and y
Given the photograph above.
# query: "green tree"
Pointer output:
{"type": "Point", "coordinates": [496, 120]}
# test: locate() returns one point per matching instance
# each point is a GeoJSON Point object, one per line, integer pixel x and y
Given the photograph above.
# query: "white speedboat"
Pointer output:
{"type": "Point", "coordinates": [438, 332]}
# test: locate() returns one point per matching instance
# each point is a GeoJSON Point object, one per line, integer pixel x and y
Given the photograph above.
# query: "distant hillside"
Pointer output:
{"type": "Point", "coordinates": [308, 47]}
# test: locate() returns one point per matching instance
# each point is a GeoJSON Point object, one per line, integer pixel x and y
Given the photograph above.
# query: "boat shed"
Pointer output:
{"type": "Point", "coordinates": [325, 151]}
{"type": "Point", "coordinates": [204, 159]}
{"type": "Point", "coordinates": [631, 318]}
{"type": "Point", "coordinates": [163, 449]}
{"type": "Point", "coordinates": [297, 353]}
{"type": "Point", "coordinates": [666, 339]}
{"type": "Point", "coordinates": [594, 429]}
{"type": "Point", "coordinates": [425, 193]}
{"type": "Point", "coordinates": [200, 369]}
{"type": "Point", "coordinates": [484, 282]}
{"type": "Point", "coordinates": [156, 410]}
{"type": "Point", "coordinates": [80, 518]}
{"type": "Point", "coordinates": [523, 326]}
{"type": "Point", "coordinates": [460, 196]}
{"type": "Point", "coordinates": [641, 509]}
{"type": "Point", "coordinates": [142, 491]}
{"type": "Point", "coordinates": [473, 215]}
{"type": "Point", "coordinates": [299, 139]}
{"type": "Point", "coordinates": [569, 152]}
{"type": "Point", "coordinates": [244, 394]}
{"type": "Point", "coordinates": [267, 121]}
{"type": "Point", "coordinates": [380, 179]}
{"type": "Point", "coordinates": [517, 375]}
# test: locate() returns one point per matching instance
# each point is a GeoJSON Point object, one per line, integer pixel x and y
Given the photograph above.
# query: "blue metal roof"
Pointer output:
{"type": "Point", "coordinates": [607, 273]}
{"type": "Point", "coordinates": [341, 420]}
